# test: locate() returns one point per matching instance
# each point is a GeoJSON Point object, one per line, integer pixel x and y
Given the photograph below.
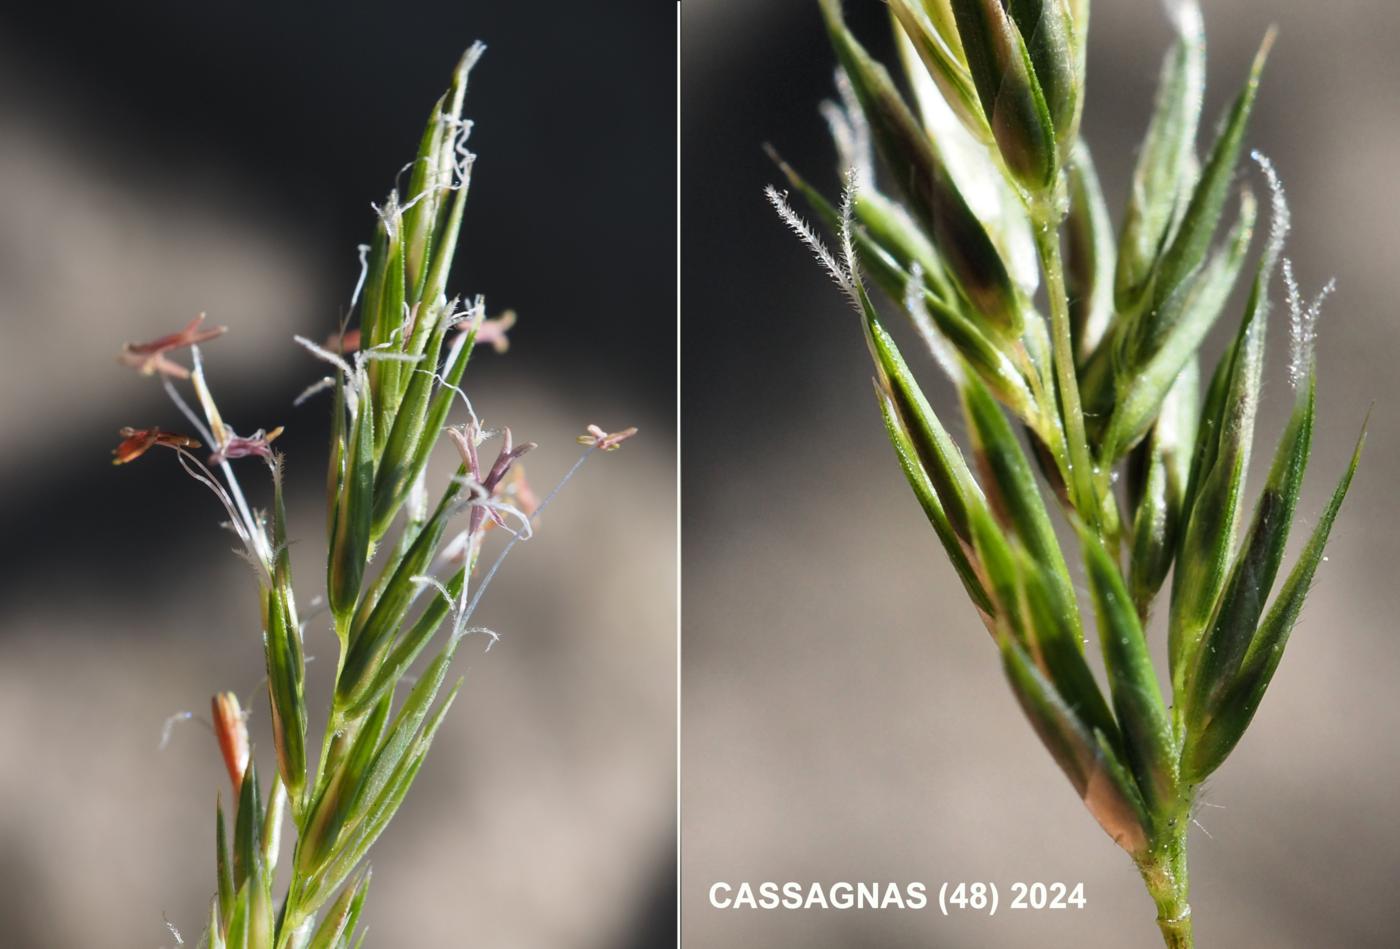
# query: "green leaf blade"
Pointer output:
{"type": "Point", "coordinates": [1158, 475]}
{"type": "Point", "coordinates": [384, 608]}
{"type": "Point", "coordinates": [1137, 697]}
{"type": "Point", "coordinates": [1086, 761]}
{"type": "Point", "coordinates": [1252, 575]}
{"type": "Point", "coordinates": [349, 548]}
{"type": "Point", "coordinates": [938, 453]}
{"type": "Point", "coordinates": [333, 808]}
{"type": "Point", "coordinates": [1191, 242]}
{"type": "Point", "coordinates": [1166, 166]}
{"type": "Point", "coordinates": [286, 674]}
{"type": "Point", "coordinates": [1057, 647]}
{"type": "Point", "coordinates": [1218, 481]}
{"type": "Point", "coordinates": [996, 559]}
{"type": "Point", "coordinates": [339, 921]}
{"type": "Point", "coordinates": [247, 832]}
{"type": "Point", "coordinates": [1150, 365]}
{"type": "Point", "coordinates": [1014, 493]}
{"type": "Point", "coordinates": [1208, 747]}
{"type": "Point", "coordinates": [223, 901]}
{"type": "Point", "coordinates": [927, 495]}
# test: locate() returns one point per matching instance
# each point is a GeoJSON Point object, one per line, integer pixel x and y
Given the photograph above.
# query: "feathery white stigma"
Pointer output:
{"type": "Point", "coordinates": [851, 132]}
{"type": "Point", "coordinates": [814, 243]}
{"type": "Point", "coordinates": [848, 250]}
{"type": "Point", "coordinates": [1185, 16]}
{"type": "Point", "coordinates": [1302, 325]}
{"type": "Point", "coordinates": [1281, 219]}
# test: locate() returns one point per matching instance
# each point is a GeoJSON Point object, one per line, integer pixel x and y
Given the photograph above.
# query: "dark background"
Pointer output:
{"type": "Point", "coordinates": [164, 158]}
{"type": "Point", "coordinates": [844, 716]}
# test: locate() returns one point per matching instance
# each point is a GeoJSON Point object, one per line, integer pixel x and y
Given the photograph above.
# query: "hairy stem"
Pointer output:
{"type": "Point", "coordinates": [1164, 873]}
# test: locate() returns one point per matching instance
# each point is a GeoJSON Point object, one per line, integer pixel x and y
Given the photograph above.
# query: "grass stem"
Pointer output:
{"type": "Point", "coordinates": [1165, 875]}
{"type": "Point", "coordinates": [1081, 468]}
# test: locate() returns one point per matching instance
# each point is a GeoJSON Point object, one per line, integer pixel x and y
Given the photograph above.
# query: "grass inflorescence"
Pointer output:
{"type": "Point", "coordinates": [1097, 407]}
{"type": "Point", "coordinates": [401, 569]}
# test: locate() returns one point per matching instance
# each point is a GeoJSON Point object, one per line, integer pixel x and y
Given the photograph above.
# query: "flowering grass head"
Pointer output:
{"type": "Point", "coordinates": [985, 203]}
{"type": "Point", "coordinates": [395, 378]}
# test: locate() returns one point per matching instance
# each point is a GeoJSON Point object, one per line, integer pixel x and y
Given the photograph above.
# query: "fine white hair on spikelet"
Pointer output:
{"type": "Point", "coordinates": [456, 390]}
{"type": "Point", "coordinates": [1302, 318]}
{"type": "Point", "coordinates": [848, 250]}
{"type": "Point", "coordinates": [1302, 325]}
{"type": "Point", "coordinates": [391, 213]}
{"type": "Point", "coordinates": [470, 59]}
{"type": "Point", "coordinates": [168, 728]}
{"type": "Point", "coordinates": [464, 158]}
{"type": "Point", "coordinates": [472, 313]}
{"type": "Point", "coordinates": [323, 354]}
{"type": "Point", "coordinates": [381, 353]}
{"type": "Point", "coordinates": [1295, 298]}
{"type": "Point", "coordinates": [492, 637]}
{"type": "Point", "coordinates": [422, 580]}
{"type": "Point", "coordinates": [809, 237]}
{"type": "Point", "coordinates": [843, 135]}
{"type": "Point", "coordinates": [454, 174]}
{"type": "Point", "coordinates": [1281, 219]}
{"type": "Point", "coordinates": [363, 251]}
{"type": "Point", "coordinates": [317, 387]}
{"type": "Point", "coordinates": [850, 131]}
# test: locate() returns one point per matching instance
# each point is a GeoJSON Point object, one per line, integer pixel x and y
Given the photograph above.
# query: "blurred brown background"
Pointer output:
{"type": "Point", "coordinates": [161, 159]}
{"type": "Point", "coordinates": [845, 717]}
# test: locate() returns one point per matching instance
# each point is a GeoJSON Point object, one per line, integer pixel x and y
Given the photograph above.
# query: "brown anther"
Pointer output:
{"type": "Point", "coordinates": [464, 437]}
{"type": "Point", "coordinates": [492, 332]}
{"type": "Point", "coordinates": [346, 342]}
{"type": "Point", "coordinates": [605, 441]}
{"type": "Point", "coordinates": [492, 484]}
{"type": "Point", "coordinates": [150, 358]}
{"type": "Point", "coordinates": [238, 446]}
{"type": "Point", "coordinates": [137, 441]}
